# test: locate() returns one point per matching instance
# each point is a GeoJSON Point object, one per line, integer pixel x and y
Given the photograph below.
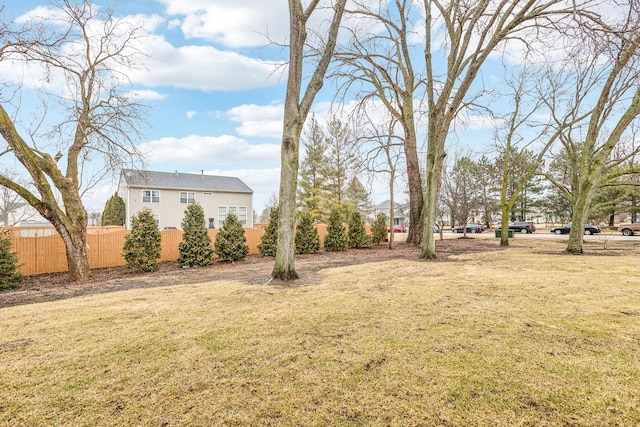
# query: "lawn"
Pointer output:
{"type": "Point", "coordinates": [525, 336]}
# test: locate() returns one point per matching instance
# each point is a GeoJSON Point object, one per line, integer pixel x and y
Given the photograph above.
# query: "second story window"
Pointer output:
{"type": "Point", "coordinates": [150, 196]}
{"type": "Point", "coordinates": [187, 197]}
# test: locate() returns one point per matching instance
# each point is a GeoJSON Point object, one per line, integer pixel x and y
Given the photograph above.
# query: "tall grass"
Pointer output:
{"type": "Point", "coordinates": [523, 336]}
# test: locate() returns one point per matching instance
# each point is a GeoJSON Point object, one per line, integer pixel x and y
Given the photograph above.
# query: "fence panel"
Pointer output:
{"type": "Point", "coordinates": [46, 254]}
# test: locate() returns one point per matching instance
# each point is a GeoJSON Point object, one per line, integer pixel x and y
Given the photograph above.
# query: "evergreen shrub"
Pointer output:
{"type": "Point", "coordinates": [141, 248]}
{"type": "Point", "coordinates": [230, 241]}
{"type": "Point", "coordinates": [195, 249]}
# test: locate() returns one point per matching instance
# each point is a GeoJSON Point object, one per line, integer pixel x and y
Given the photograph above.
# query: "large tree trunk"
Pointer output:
{"type": "Point", "coordinates": [75, 243]}
{"type": "Point", "coordinates": [416, 190]}
{"type": "Point", "coordinates": [284, 267]}
{"type": "Point", "coordinates": [435, 159]}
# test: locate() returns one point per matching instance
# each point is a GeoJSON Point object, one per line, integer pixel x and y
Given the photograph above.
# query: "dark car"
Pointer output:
{"type": "Point", "coordinates": [522, 226]}
{"type": "Point", "coordinates": [566, 229]}
{"type": "Point", "coordinates": [471, 228]}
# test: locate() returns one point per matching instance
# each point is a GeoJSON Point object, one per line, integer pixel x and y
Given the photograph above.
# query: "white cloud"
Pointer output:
{"type": "Point", "coordinates": [201, 67]}
{"type": "Point", "coordinates": [232, 23]}
{"type": "Point", "coordinates": [257, 120]}
{"type": "Point", "coordinates": [146, 95]}
{"type": "Point", "coordinates": [221, 150]}
{"type": "Point", "coordinates": [191, 114]}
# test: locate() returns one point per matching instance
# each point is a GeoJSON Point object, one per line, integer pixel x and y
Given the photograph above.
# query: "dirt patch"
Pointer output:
{"type": "Point", "coordinates": [253, 270]}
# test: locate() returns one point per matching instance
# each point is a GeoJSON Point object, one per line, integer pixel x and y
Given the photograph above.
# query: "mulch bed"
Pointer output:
{"type": "Point", "coordinates": [253, 270]}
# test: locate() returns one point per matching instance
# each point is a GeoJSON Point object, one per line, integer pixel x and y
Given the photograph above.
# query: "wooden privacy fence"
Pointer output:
{"type": "Point", "coordinates": [39, 253]}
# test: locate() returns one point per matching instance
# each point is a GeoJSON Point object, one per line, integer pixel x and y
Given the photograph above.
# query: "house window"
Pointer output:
{"type": "Point", "coordinates": [187, 197]}
{"type": "Point", "coordinates": [150, 196]}
{"type": "Point", "coordinates": [156, 218]}
{"type": "Point", "coordinates": [240, 211]}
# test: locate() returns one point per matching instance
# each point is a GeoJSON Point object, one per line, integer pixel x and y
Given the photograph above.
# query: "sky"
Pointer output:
{"type": "Point", "coordinates": [214, 85]}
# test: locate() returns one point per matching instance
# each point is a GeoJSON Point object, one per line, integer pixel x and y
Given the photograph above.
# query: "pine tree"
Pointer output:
{"type": "Point", "coordinates": [142, 246]}
{"type": "Point", "coordinates": [311, 181]}
{"type": "Point", "coordinates": [195, 248]}
{"type": "Point", "coordinates": [358, 237]}
{"type": "Point", "coordinates": [307, 237]}
{"type": "Point", "coordinates": [230, 241]}
{"type": "Point", "coordinates": [336, 239]}
{"type": "Point", "coordinates": [379, 228]}
{"type": "Point", "coordinates": [357, 196]}
{"type": "Point", "coordinates": [269, 240]}
{"type": "Point", "coordinates": [10, 275]}
{"type": "Point", "coordinates": [114, 212]}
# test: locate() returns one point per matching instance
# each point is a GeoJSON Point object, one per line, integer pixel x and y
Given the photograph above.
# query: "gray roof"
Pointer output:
{"type": "Point", "coordinates": [184, 181]}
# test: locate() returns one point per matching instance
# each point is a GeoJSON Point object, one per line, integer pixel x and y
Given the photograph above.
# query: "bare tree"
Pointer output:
{"type": "Point", "coordinates": [378, 65]}
{"type": "Point", "coordinates": [296, 110]}
{"type": "Point", "coordinates": [602, 78]}
{"type": "Point", "coordinates": [471, 31]}
{"type": "Point", "coordinates": [382, 150]}
{"type": "Point", "coordinates": [88, 52]}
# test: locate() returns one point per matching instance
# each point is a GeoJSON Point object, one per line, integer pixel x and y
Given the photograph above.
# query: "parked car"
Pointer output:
{"type": "Point", "coordinates": [521, 227]}
{"type": "Point", "coordinates": [398, 228]}
{"type": "Point", "coordinates": [629, 229]}
{"type": "Point", "coordinates": [471, 228]}
{"type": "Point", "coordinates": [566, 229]}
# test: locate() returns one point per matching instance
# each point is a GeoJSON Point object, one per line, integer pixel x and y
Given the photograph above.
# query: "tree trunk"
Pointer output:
{"type": "Point", "coordinates": [77, 257]}
{"type": "Point", "coordinates": [284, 267]}
{"type": "Point", "coordinates": [416, 191]}
{"type": "Point", "coordinates": [435, 159]}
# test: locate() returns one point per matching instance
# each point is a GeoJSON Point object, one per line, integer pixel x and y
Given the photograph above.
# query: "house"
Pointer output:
{"type": "Point", "coordinates": [168, 194]}
{"type": "Point", "coordinates": [399, 213]}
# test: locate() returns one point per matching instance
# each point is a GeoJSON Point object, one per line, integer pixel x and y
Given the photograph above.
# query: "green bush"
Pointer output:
{"type": "Point", "coordinates": [114, 212]}
{"type": "Point", "coordinates": [379, 229]}
{"type": "Point", "coordinates": [358, 237]}
{"type": "Point", "coordinates": [142, 246]}
{"type": "Point", "coordinates": [269, 240]}
{"type": "Point", "coordinates": [230, 241]}
{"type": "Point", "coordinates": [307, 237]}
{"type": "Point", "coordinates": [336, 239]}
{"type": "Point", "coordinates": [195, 248]}
{"type": "Point", "coordinates": [10, 275]}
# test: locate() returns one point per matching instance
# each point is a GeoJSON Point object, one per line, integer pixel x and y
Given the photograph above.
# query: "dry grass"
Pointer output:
{"type": "Point", "coordinates": [519, 337]}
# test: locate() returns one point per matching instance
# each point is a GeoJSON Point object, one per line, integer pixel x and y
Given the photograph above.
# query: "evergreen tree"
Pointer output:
{"type": "Point", "coordinates": [379, 228]}
{"type": "Point", "coordinates": [358, 237]}
{"type": "Point", "coordinates": [311, 180]}
{"type": "Point", "coordinates": [341, 163]}
{"type": "Point", "coordinates": [114, 212]}
{"type": "Point", "coordinates": [230, 241]}
{"type": "Point", "coordinates": [269, 240]}
{"type": "Point", "coordinates": [195, 248]}
{"type": "Point", "coordinates": [336, 239]}
{"type": "Point", "coordinates": [357, 196]}
{"type": "Point", "coordinates": [142, 246]}
{"type": "Point", "coordinates": [307, 237]}
{"type": "Point", "coordinates": [10, 275]}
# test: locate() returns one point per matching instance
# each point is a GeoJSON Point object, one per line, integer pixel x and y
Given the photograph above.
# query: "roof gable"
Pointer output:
{"type": "Point", "coordinates": [183, 181]}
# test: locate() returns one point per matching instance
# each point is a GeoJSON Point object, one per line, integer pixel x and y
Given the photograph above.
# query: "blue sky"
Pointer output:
{"type": "Point", "coordinates": [216, 103]}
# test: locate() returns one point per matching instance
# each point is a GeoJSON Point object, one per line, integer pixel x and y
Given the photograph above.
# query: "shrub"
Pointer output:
{"type": "Point", "coordinates": [114, 212]}
{"type": "Point", "coordinates": [230, 241]}
{"type": "Point", "coordinates": [195, 248]}
{"type": "Point", "coordinates": [336, 239]}
{"type": "Point", "coordinates": [142, 246]}
{"type": "Point", "coordinates": [307, 237]}
{"type": "Point", "coordinates": [10, 275]}
{"type": "Point", "coordinates": [358, 237]}
{"type": "Point", "coordinates": [379, 229]}
{"type": "Point", "coordinates": [269, 240]}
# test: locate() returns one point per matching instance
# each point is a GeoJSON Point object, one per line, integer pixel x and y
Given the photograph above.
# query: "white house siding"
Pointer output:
{"type": "Point", "coordinates": [170, 211]}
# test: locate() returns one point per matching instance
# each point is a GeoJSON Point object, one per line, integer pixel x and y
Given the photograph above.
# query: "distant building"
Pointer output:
{"type": "Point", "coordinates": [168, 194]}
{"type": "Point", "coordinates": [400, 212]}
